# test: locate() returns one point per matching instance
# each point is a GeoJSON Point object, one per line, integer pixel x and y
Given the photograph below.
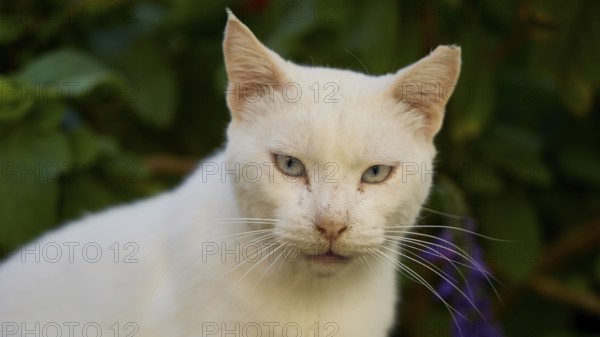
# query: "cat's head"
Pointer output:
{"type": "Point", "coordinates": [335, 156]}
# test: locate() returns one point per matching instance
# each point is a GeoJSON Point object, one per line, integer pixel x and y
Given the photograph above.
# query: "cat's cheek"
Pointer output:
{"type": "Point", "coordinates": [394, 203]}
{"type": "Point", "coordinates": [290, 199]}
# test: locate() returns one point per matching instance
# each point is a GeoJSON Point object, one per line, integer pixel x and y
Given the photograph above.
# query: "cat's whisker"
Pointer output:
{"type": "Point", "coordinates": [272, 263]}
{"type": "Point", "coordinates": [243, 263]}
{"type": "Point", "coordinates": [283, 262]}
{"type": "Point", "coordinates": [247, 259]}
{"type": "Point", "coordinates": [236, 237]}
{"type": "Point", "coordinates": [244, 244]}
{"type": "Point", "coordinates": [241, 223]}
{"type": "Point", "coordinates": [362, 262]}
{"type": "Point", "coordinates": [422, 281]}
{"type": "Point", "coordinates": [394, 65]}
{"type": "Point", "coordinates": [397, 266]}
{"type": "Point", "coordinates": [428, 244]}
{"type": "Point", "coordinates": [259, 262]}
{"type": "Point", "coordinates": [464, 279]}
{"type": "Point", "coordinates": [449, 215]}
{"type": "Point", "coordinates": [449, 227]}
{"type": "Point", "coordinates": [423, 217]}
{"type": "Point", "coordinates": [250, 219]}
{"type": "Point", "coordinates": [257, 242]}
{"type": "Point", "coordinates": [460, 252]}
{"type": "Point", "coordinates": [369, 264]}
{"type": "Point", "coordinates": [417, 256]}
{"type": "Point", "coordinates": [436, 271]}
{"type": "Point", "coordinates": [249, 233]}
{"type": "Point", "coordinates": [359, 61]}
{"type": "Point", "coordinates": [430, 250]}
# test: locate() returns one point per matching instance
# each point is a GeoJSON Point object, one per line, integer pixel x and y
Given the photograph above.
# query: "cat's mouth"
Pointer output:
{"type": "Point", "coordinates": [327, 257]}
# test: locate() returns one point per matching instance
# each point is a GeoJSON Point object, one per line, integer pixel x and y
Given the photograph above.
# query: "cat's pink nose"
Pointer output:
{"type": "Point", "coordinates": [331, 230]}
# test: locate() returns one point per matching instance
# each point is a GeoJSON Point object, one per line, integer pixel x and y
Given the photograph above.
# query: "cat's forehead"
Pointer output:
{"type": "Point", "coordinates": [342, 97]}
{"type": "Point", "coordinates": [352, 126]}
{"type": "Point", "coordinates": [335, 82]}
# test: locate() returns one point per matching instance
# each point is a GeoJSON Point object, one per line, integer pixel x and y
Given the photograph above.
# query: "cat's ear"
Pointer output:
{"type": "Point", "coordinates": [426, 86]}
{"type": "Point", "coordinates": [253, 70]}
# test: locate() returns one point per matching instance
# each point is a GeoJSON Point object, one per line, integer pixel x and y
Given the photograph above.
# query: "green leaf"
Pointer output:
{"type": "Point", "coordinates": [580, 164]}
{"type": "Point", "coordinates": [151, 83]}
{"type": "Point", "coordinates": [84, 145]}
{"type": "Point", "coordinates": [563, 334]}
{"type": "Point", "coordinates": [579, 283]}
{"type": "Point", "coordinates": [11, 29]}
{"type": "Point", "coordinates": [501, 13]}
{"type": "Point", "coordinates": [520, 319]}
{"type": "Point", "coordinates": [447, 197]}
{"type": "Point", "coordinates": [113, 178]}
{"type": "Point", "coordinates": [31, 167]}
{"type": "Point", "coordinates": [597, 269]}
{"type": "Point", "coordinates": [13, 110]}
{"type": "Point", "coordinates": [64, 73]}
{"type": "Point", "coordinates": [96, 189]}
{"type": "Point", "coordinates": [45, 117]}
{"type": "Point", "coordinates": [511, 218]}
{"type": "Point", "coordinates": [481, 178]}
{"type": "Point", "coordinates": [13, 105]}
{"type": "Point", "coordinates": [369, 21]}
{"type": "Point", "coordinates": [576, 94]}
{"type": "Point", "coordinates": [472, 103]}
{"type": "Point", "coordinates": [568, 53]}
{"type": "Point", "coordinates": [516, 152]}
{"type": "Point", "coordinates": [453, 197]}
{"type": "Point", "coordinates": [285, 38]}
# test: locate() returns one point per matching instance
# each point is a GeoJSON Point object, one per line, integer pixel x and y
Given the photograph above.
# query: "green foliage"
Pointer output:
{"type": "Point", "coordinates": [87, 96]}
{"type": "Point", "coordinates": [67, 71]}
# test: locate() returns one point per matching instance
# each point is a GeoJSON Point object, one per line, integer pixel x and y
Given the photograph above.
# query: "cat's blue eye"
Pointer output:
{"type": "Point", "coordinates": [289, 165]}
{"type": "Point", "coordinates": [376, 174]}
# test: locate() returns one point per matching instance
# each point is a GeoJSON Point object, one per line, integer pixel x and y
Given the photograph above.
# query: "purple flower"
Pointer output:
{"type": "Point", "coordinates": [442, 249]}
{"type": "Point", "coordinates": [474, 303]}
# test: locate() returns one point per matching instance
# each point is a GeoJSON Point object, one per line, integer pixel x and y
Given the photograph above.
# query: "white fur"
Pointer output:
{"type": "Point", "coordinates": [177, 289]}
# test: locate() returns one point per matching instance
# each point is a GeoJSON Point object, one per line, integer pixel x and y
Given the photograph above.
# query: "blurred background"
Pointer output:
{"type": "Point", "coordinates": [102, 102]}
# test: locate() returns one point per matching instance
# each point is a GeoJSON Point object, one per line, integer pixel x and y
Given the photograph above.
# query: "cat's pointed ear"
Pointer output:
{"type": "Point", "coordinates": [253, 70]}
{"type": "Point", "coordinates": [426, 86]}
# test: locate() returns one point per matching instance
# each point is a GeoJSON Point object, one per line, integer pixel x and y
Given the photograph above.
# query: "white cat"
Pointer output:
{"type": "Point", "coordinates": [281, 234]}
